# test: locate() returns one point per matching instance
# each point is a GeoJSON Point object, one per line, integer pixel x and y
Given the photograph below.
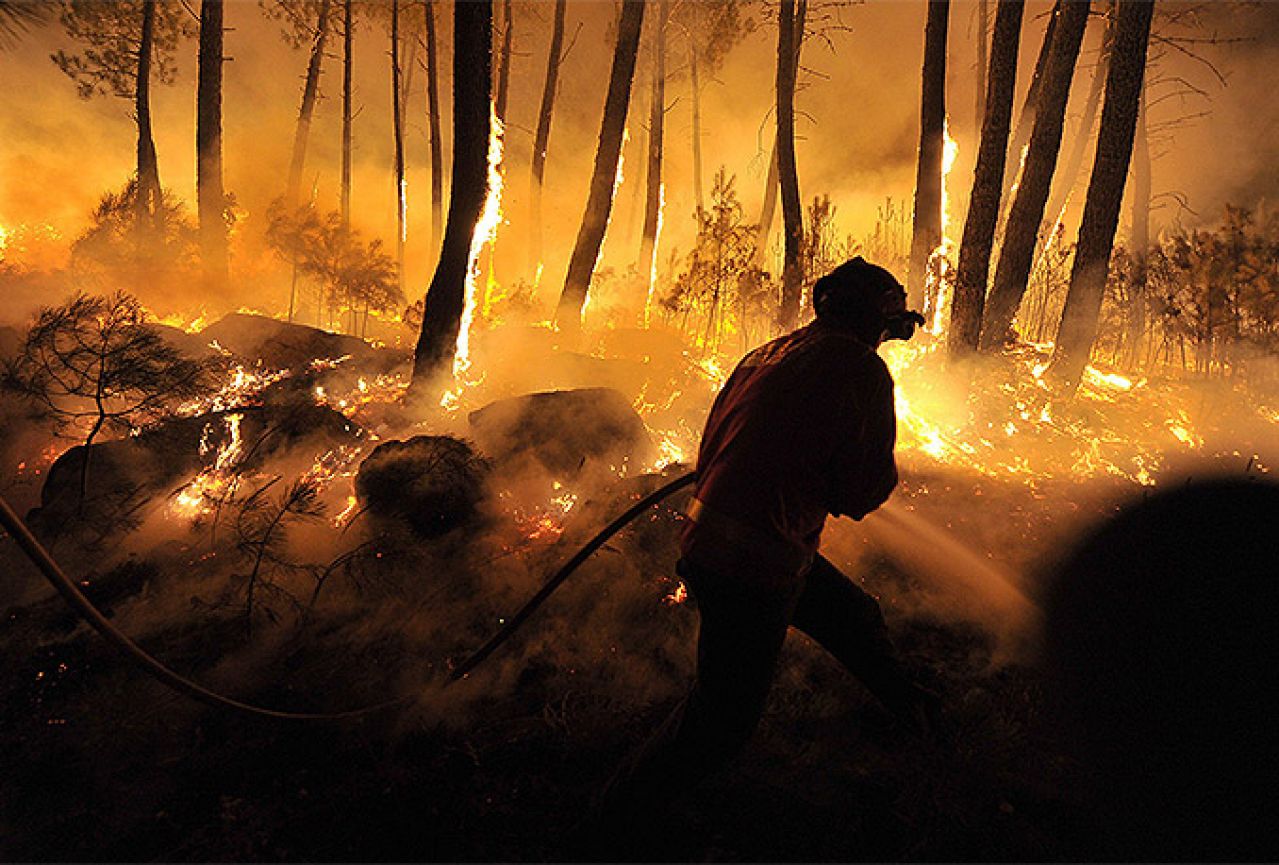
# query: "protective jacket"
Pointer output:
{"type": "Point", "coordinates": [804, 427]}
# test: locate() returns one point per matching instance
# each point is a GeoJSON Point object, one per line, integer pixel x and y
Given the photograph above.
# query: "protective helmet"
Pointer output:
{"type": "Point", "coordinates": [867, 298]}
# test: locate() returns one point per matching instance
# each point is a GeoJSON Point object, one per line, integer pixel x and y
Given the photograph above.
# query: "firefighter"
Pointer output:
{"type": "Point", "coordinates": [803, 428]}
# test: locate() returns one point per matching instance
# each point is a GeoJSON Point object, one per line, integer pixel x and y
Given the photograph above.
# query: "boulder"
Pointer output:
{"type": "Point", "coordinates": [564, 432]}
{"type": "Point", "coordinates": [283, 345]}
{"type": "Point", "coordinates": [433, 483]}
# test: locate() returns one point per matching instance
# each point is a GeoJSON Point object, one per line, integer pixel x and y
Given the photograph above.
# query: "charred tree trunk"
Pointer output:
{"type": "Point", "coordinates": [983, 209]}
{"type": "Point", "coordinates": [543, 135]}
{"type": "Point", "coordinates": [1030, 108]}
{"type": "Point", "coordinates": [348, 32]}
{"type": "Point", "coordinates": [504, 64]}
{"type": "Point", "coordinates": [697, 126]}
{"type": "Point", "coordinates": [1065, 179]}
{"type": "Point", "coordinates": [397, 126]}
{"type": "Point", "coordinates": [983, 32]}
{"type": "Point", "coordinates": [788, 39]}
{"type": "Point", "coordinates": [1139, 242]}
{"type": "Point", "coordinates": [769, 206]}
{"type": "Point", "coordinates": [926, 233]}
{"type": "Point", "coordinates": [653, 181]}
{"type": "Point", "coordinates": [599, 203]}
{"type": "Point", "coordinates": [1105, 191]}
{"type": "Point", "coordinates": [309, 92]}
{"type": "Point", "coordinates": [149, 201]}
{"type": "Point", "coordinates": [1027, 211]}
{"type": "Point", "coordinates": [211, 199]}
{"type": "Point", "coordinates": [433, 107]}
{"type": "Point", "coordinates": [472, 97]}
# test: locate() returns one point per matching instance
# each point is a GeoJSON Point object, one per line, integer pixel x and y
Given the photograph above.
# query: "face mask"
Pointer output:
{"type": "Point", "coordinates": [902, 325]}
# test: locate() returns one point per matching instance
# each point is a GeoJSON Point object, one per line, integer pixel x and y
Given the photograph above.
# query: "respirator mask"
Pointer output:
{"type": "Point", "coordinates": [901, 325]}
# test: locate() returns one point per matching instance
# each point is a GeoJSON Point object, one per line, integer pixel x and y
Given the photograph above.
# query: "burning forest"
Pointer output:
{"type": "Point", "coordinates": [476, 378]}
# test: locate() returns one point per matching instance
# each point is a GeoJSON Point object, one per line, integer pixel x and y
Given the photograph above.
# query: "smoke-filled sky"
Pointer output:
{"type": "Point", "coordinates": [858, 124]}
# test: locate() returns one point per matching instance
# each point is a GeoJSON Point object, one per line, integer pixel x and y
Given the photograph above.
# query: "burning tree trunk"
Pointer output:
{"type": "Point", "coordinates": [397, 125]}
{"type": "Point", "coordinates": [787, 173]}
{"type": "Point", "coordinates": [769, 205]}
{"type": "Point", "coordinates": [1030, 108]}
{"type": "Point", "coordinates": [983, 33]}
{"type": "Point", "coordinates": [504, 63]}
{"type": "Point", "coordinates": [472, 97]}
{"type": "Point", "coordinates": [926, 235]}
{"type": "Point", "coordinates": [653, 182]}
{"type": "Point", "coordinates": [1067, 176]}
{"type": "Point", "coordinates": [1027, 212]}
{"type": "Point", "coordinates": [543, 135]}
{"type": "Point", "coordinates": [600, 201]}
{"type": "Point", "coordinates": [309, 92]}
{"type": "Point", "coordinates": [433, 107]}
{"type": "Point", "coordinates": [208, 144]}
{"type": "Point", "coordinates": [1105, 191]}
{"type": "Point", "coordinates": [149, 198]}
{"type": "Point", "coordinates": [348, 31]}
{"type": "Point", "coordinates": [1139, 242]}
{"type": "Point", "coordinates": [983, 209]}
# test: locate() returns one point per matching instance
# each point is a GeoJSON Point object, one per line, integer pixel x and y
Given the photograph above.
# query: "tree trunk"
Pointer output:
{"type": "Point", "coordinates": [433, 106]}
{"type": "Point", "coordinates": [211, 198]}
{"type": "Point", "coordinates": [543, 136]}
{"type": "Point", "coordinates": [1065, 179]}
{"type": "Point", "coordinates": [149, 201]}
{"type": "Point", "coordinates": [504, 64]}
{"type": "Point", "coordinates": [1139, 243]}
{"type": "Point", "coordinates": [697, 126]}
{"type": "Point", "coordinates": [472, 96]}
{"type": "Point", "coordinates": [1030, 108]}
{"type": "Point", "coordinates": [769, 206]}
{"type": "Point", "coordinates": [926, 233]}
{"type": "Point", "coordinates": [1027, 211]}
{"type": "Point", "coordinates": [653, 182]}
{"type": "Point", "coordinates": [788, 39]}
{"type": "Point", "coordinates": [1105, 191]}
{"type": "Point", "coordinates": [983, 208]}
{"type": "Point", "coordinates": [309, 92]}
{"type": "Point", "coordinates": [397, 125]}
{"type": "Point", "coordinates": [599, 203]}
{"type": "Point", "coordinates": [348, 25]}
{"type": "Point", "coordinates": [983, 33]}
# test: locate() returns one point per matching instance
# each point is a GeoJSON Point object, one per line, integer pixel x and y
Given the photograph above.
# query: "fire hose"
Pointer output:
{"type": "Point", "coordinates": [71, 593]}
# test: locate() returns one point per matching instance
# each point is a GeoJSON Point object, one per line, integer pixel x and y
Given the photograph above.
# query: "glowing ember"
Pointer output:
{"type": "Point", "coordinates": [678, 596]}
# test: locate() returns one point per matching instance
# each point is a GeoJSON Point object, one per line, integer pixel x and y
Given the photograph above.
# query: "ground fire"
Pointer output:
{"type": "Point", "coordinates": [376, 479]}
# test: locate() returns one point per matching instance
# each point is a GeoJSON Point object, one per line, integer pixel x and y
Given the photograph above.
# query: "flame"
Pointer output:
{"type": "Point", "coordinates": [485, 232]}
{"type": "Point", "coordinates": [657, 241]}
{"type": "Point", "coordinates": [216, 481]}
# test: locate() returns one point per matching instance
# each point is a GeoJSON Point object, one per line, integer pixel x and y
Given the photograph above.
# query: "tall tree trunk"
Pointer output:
{"type": "Point", "coordinates": [983, 33]}
{"type": "Point", "coordinates": [543, 135]}
{"type": "Point", "coordinates": [433, 106]}
{"type": "Point", "coordinates": [348, 32]}
{"type": "Point", "coordinates": [696, 86]}
{"type": "Point", "coordinates": [769, 206]}
{"type": "Point", "coordinates": [599, 203]}
{"type": "Point", "coordinates": [1030, 107]}
{"type": "Point", "coordinates": [1105, 192]}
{"type": "Point", "coordinates": [211, 199]}
{"type": "Point", "coordinates": [653, 181]}
{"type": "Point", "coordinates": [149, 202]}
{"type": "Point", "coordinates": [1027, 211]}
{"type": "Point", "coordinates": [472, 105]}
{"type": "Point", "coordinates": [926, 229]}
{"type": "Point", "coordinates": [1139, 242]}
{"type": "Point", "coordinates": [983, 209]}
{"type": "Point", "coordinates": [397, 125]}
{"type": "Point", "coordinates": [309, 92]}
{"type": "Point", "coordinates": [788, 40]}
{"type": "Point", "coordinates": [504, 63]}
{"type": "Point", "coordinates": [1065, 179]}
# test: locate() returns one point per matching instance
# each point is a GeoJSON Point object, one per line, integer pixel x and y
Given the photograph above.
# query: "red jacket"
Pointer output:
{"type": "Point", "coordinates": [803, 427]}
